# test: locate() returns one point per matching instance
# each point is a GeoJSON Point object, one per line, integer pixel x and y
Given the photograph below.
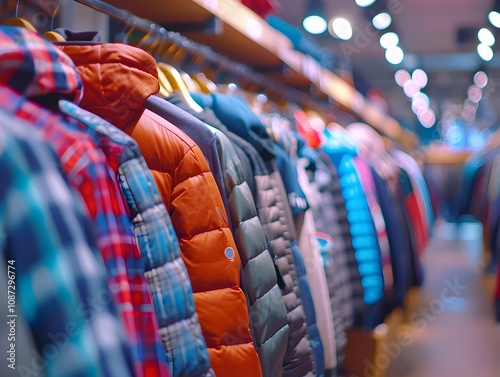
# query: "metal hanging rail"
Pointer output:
{"type": "Point", "coordinates": [240, 72]}
{"type": "Point", "coordinates": [236, 69]}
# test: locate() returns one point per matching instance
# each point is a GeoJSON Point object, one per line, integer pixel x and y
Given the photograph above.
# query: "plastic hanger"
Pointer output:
{"type": "Point", "coordinates": [192, 85]}
{"type": "Point", "coordinates": [156, 50]}
{"type": "Point", "coordinates": [206, 86]}
{"type": "Point", "coordinates": [166, 88]}
{"type": "Point", "coordinates": [174, 77]}
{"type": "Point", "coordinates": [187, 62]}
{"type": "Point", "coordinates": [18, 21]}
{"type": "Point", "coordinates": [168, 45]}
{"type": "Point", "coordinates": [53, 36]}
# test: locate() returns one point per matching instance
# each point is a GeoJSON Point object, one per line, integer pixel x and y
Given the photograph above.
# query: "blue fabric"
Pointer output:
{"type": "Point", "coordinates": [407, 189]}
{"type": "Point", "coordinates": [307, 302]}
{"type": "Point", "coordinates": [296, 196]}
{"type": "Point", "coordinates": [301, 42]}
{"type": "Point", "coordinates": [364, 236]}
{"type": "Point", "coordinates": [399, 246]}
{"type": "Point", "coordinates": [424, 189]}
{"type": "Point", "coordinates": [469, 174]}
{"type": "Point", "coordinates": [235, 114]}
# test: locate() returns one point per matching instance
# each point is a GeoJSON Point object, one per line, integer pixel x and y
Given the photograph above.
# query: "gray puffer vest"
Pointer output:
{"type": "Point", "coordinates": [268, 315]}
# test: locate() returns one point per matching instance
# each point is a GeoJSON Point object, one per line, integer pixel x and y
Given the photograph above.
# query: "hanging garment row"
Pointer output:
{"type": "Point", "coordinates": [478, 196]}
{"type": "Point", "coordinates": [192, 235]}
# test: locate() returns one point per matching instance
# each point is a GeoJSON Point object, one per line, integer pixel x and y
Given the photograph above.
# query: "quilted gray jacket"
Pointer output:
{"type": "Point", "coordinates": [267, 310]}
{"type": "Point", "coordinates": [272, 203]}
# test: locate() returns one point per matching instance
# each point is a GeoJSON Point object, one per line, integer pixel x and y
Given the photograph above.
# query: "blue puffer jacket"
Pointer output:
{"type": "Point", "coordinates": [364, 236]}
{"type": "Point", "coordinates": [167, 276]}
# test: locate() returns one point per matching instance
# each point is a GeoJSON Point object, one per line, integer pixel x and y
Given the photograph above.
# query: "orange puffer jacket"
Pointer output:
{"type": "Point", "coordinates": [117, 79]}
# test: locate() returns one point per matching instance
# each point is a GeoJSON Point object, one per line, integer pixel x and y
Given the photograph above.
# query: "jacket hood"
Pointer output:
{"type": "Point", "coordinates": [237, 116]}
{"type": "Point", "coordinates": [71, 35]}
{"type": "Point", "coordinates": [117, 79]}
{"type": "Point", "coordinates": [32, 66]}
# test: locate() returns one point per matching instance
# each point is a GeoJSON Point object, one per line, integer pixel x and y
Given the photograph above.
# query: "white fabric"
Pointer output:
{"type": "Point", "coordinates": [316, 276]}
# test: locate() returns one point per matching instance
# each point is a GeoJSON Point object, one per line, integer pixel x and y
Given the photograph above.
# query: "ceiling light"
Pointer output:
{"type": "Point", "coordinates": [420, 77]}
{"type": "Point", "coordinates": [420, 103]}
{"type": "Point", "coordinates": [401, 77]}
{"type": "Point", "coordinates": [341, 28]}
{"type": "Point", "coordinates": [314, 24]}
{"type": "Point", "coordinates": [262, 98]}
{"type": "Point", "coordinates": [389, 39]}
{"type": "Point", "coordinates": [427, 118]}
{"type": "Point", "coordinates": [485, 52]}
{"type": "Point", "coordinates": [481, 79]}
{"type": "Point", "coordinates": [411, 88]}
{"type": "Point", "coordinates": [382, 21]}
{"type": "Point", "coordinates": [364, 3]}
{"type": "Point", "coordinates": [394, 55]}
{"type": "Point", "coordinates": [475, 94]}
{"type": "Point", "coordinates": [494, 18]}
{"type": "Point", "coordinates": [485, 36]}
{"type": "Point", "coordinates": [469, 113]}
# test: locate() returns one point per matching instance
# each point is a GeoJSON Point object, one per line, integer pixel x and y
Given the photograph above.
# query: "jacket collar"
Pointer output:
{"type": "Point", "coordinates": [117, 79]}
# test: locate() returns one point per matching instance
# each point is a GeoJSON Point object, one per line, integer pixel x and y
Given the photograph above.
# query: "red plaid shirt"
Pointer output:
{"type": "Point", "coordinates": [86, 168]}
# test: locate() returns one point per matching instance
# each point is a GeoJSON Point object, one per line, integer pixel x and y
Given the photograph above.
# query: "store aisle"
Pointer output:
{"type": "Point", "coordinates": [451, 326]}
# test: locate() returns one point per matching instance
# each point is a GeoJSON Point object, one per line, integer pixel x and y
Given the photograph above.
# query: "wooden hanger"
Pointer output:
{"type": "Point", "coordinates": [18, 21]}
{"type": "Point", "coordinates": [206, 86]}
{"type": "Point", "coordinates": [177, 83]}
{"type": "Point", "coordinates": [52, 35]}
{"type": "Point", "coordinates": [166, 88]}
{"type": "Point", "coordinates": [159, 45]}
{"type": "Point", "coordinates": [192, 85]}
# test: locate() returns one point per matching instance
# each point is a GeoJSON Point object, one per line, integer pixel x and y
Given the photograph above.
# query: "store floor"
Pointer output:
{"type": "Point", "coordinates": [450, 329]}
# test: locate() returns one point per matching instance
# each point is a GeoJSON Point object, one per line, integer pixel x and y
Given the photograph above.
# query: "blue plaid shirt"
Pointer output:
{"type": "Point", "coordinates": [166, 273]}
{"type": "Point", "coordinates": [61, 285]}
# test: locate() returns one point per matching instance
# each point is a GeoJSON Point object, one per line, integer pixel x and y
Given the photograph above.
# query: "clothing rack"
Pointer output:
{"type": "Point", "coordinates": [238, 70]}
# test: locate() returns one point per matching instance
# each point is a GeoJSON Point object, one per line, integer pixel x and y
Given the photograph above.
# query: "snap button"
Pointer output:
{"type": "Point", "coordinates": [229, 253]}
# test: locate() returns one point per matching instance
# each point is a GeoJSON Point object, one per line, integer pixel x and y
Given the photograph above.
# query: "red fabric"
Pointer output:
{"type": "Point", "coordinates": [497, 288]}
{"type": "Point", "coordinates": [262, 7]}
{"type": "Point", "coordinates": [312, 137]}
{"type": "Point", "coordinates": [417, 221]}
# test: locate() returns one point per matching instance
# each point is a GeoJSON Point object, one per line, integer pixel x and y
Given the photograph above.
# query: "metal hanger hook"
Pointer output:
{"type": "Point", "coordinates": [131, 22]}
{"type": "Point", "coordinates": [53, 15]}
